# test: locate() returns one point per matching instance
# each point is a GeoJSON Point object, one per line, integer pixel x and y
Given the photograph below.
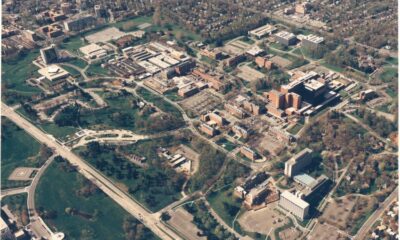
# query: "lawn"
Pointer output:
{"type": "Point", "coordinates": [388, 74]}
{"type": "Point", "coordinates": [153, 187]}
{"type": "Point", "coordinates": [71, 71]}
{"type": "Point", "coordinates": [332, 67]}
{"type": "Point", "coordinates": [392, 60]}
{"type": "Point", "coordinates": [225, 204]}
{"type": "Point", "coordinates": [159, 102]}
{"type": "Point", "coordinates": [295, 129]}
{"type": "Point", "coordinates": [58, 193]}
{"type": "Point", "coordinates": [228, 145]}
{"type": "Point", "coordinates": [14, 74]}
{"type": "Point", "coordinates": [18, 150]}
{"type": "Point", "coordinates": [73, 44]}
{"type": "Point", "coordinates": [280, 46]}
{"type": "Point", "coordinates": [96, 69]}
{"type": "Point", "coordinates": [78, 62]}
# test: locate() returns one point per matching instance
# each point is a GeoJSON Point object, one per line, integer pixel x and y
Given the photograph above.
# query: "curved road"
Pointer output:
{"type": "Point", "coordinates": [149, 219]}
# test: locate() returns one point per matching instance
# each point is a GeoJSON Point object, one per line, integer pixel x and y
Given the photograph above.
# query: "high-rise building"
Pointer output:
{"type": "Point", "coordinates": [294, 205]}
{"type": "Point", "coordinates": [294, 165]}
{"type": "Point", "coordinates": [277, 99]}
{"type": "Point", "coordinates": [49, 54]}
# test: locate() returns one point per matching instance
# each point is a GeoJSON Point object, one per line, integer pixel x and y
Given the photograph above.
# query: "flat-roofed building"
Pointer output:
{"type": "Point", "coordinates": [298, 162]}
{"type": "Point", "coordinates": [312, 41]}
{"type": "Point", "coordinates": [207, 129]}
{"type": "Point", "coordinates": [5, 232]}
{"type": "Point", "coordinates": [188, 90]}
{"type": "Point", "coordinates": [277, 98]}
{"type": "Point", "coordinates": [248, 153]}
{"type": "Point", "coordinates": [240, 131]}
{"type": "Point", "coordinates": [294, 205]}
{"type": "Point", "coordinates": [285, 38]}
{"type": "Point", "coordinates": [53, 73]}
{"type": "Point", "coordinates": [234, 110]}
{"type": "Point", "coordinates": [93, 51]}
{"type": "Point", "coordinates": [262, 31]}
{"type": "Point", "coordinates": [79, 22]}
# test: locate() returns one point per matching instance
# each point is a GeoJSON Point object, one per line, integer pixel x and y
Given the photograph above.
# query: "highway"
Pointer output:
{"type": "Point", "coordinates": [150, 220]}
{"type": "Point", "coordinates": [363, 231]}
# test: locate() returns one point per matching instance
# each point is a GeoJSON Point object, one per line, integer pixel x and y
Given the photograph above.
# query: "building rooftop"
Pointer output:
{"type": "Point", "coordinates": [313, 84]}
{"type": "Point", "coordinates": [53, 72]}
{"type": "Point", "coordinates": [298, 201]}
{"type": "Point", "coordinates": [285, 35]}
{"type": "Point", "coordinates": [314, 38]}
{"type": "Point", "coordinates": [304, 179]}
{"type": "Point", "coordinates": [266, 29]}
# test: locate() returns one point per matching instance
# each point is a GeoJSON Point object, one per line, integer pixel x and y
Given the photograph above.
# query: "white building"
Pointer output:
{"type": "Point", "coordinates": [262, 31]}
{"type": "Point", "coordinates": [294, 205]}
{"type": "Point", "coordinates": [294, 165]}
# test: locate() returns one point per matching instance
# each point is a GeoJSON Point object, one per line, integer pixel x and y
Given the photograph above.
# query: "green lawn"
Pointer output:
{"type": "Point", "coordinates": [96, 69]}
{"type": "Point", "coordinates": [388, 74]}
{"type": "Point", "coordinates": [18, 150]}
{"type": "Point", "coordinates": [295, 129]}
{"type": "Point", "coordinates": [297, 51]}
{"type": "Point", "coordinates": [96, 217]}
{"type": "Point", "coordinates": [392, 60]}
{"type": "Point", "coordinates": [280, 46]}
{"type": "Point", "coordinates": [225, 204]}
{"type": "Point", "coordinates": [14, 74]}
{"type": "Point", "coordinates": [159, 102]}
{"type": "Point", "coordinates": [71, 71]}
{"type": "Point", "coordinates": [73, 44]}
{"type": "Point", "coordinates": [78, 62]}
{"type": "Point", "coordinates": [228, 145]}
{"type": "Point", "coordinates": [332, 67]}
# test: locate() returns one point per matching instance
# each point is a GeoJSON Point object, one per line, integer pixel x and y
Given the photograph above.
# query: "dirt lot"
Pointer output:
{"type": "Point", "coordinates": [264, 142]}
{"type": "Point", "coordinates": [324, 231]}
{"type": "Point", "coordinates": [346, 211]}
{"type": "Point", "coordinates": [291, 234]}
{"type": "Point", "coordinates": [281, 62]}
{"type": "Point", "coordinates": [181, 220]}
{"type": "Point", "coordinates": [262, 220]}
{"type": "Point", "coordinates": [201, 103]}
{"type": "Point", "coordinates": [249, 74]}
{"type": "Point", "coordinates": [105, 35]}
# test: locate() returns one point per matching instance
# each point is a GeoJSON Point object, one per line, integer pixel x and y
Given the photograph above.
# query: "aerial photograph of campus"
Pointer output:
{"type": "Point", "coordinates": [199, 120]}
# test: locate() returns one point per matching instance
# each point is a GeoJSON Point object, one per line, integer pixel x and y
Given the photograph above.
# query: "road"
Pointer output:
{"type": "Point", "coordinates": [150, 220]}
{"type": "Point", "coordinates": [31, 192]}
{"type": "Point", "coordinates": [13, 191]}
{"type": "Point", "coordinates": [363, 231]}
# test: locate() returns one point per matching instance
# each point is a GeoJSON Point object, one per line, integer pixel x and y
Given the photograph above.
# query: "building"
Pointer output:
{"type": "Point", "coordinates": [214, 117]}
{"type": "Point", "coordinates": [248, 153]}
{"type": "Point", "coordinates": [214, 81]}
{"type": "Point", "coordinates": [263, 194]}
{"type": "Point", "coordinates": [312, 41]}
{"type": "Point", "coordinates": [79, 23]}
{"type": "Point", "coordinates": [213, 54]}
{"type": "Point", "coordinates": [285, 38]}
{"type": "Point", "coordinates": [298, 162]}
{"type": "Point", "coordinates": [185, 67]}
{"type": "Point", "coordinates": [235, 60]}
{"type": "Point", "coordinates": [5, 232]}
{"type": "Point", "coordinates": [367, 95]}
{"type": "Point", "coordinates": [263, 62]}
{"type": "Point", "coordinates": [207, 129]}
{"type": "Point", "coordinates": [294, 205]}
{"type": "Point", "coordinates": [240, 131]}
{"type": "Point", "coordinates": [188, 90]}
{"type": "Point", "coordinates": [311, 186]}
{"type": "Point", "coordinates": [66, 8]}
{"type": "Point", "coordinates": [262, 31]}
{"type": "Point", "coordinates": [52, 31]}
{"type": "Point", "coordinates": [302, 8]}
{"type": "Point", "coordinates": [53, 73]}
{"type": "Point", "coordinates": [30, 35]}
{"type": "Point", "coordinates": [49, 54]}
{"type": "Point", "coordinates": [252, 108]}
{"type": "Point", "coordinates": [234, 110]}
{"type": "Point", "coordinates": [277, 98]}
{"type": "Point", "coordinates": [93, 51]}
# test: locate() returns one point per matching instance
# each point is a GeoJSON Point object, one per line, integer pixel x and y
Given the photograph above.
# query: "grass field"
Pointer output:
{"type": "Point", "coordinates": [96, 69]}
{"type": "Point", "coordinates": [332, 67]}
{"type": "Point", "coordinates": [18, 150]}
{"type": "Point", "coordinates": [295, 129]}
{"type": "Point", "coordinates": [98, 216]}
{"type": "Point", "coordinates": [78, 62]}
{"type": "Point", "coordinates": [388, 74]}
{"type": "Point", "coordinates": [14, 74]}
{"type": "Point", "coordinates": [73, 44]}
{"type": "Point", "coordinates": [392, 60]}
{"type": "Point", "coordinates": [225, 204]}
{"type": "Point", "coordinates": [226, 144]}
{"type": "Point", "coordinates": [71, 71]}
{"type": "Point", "coordinates": [159, 102]}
